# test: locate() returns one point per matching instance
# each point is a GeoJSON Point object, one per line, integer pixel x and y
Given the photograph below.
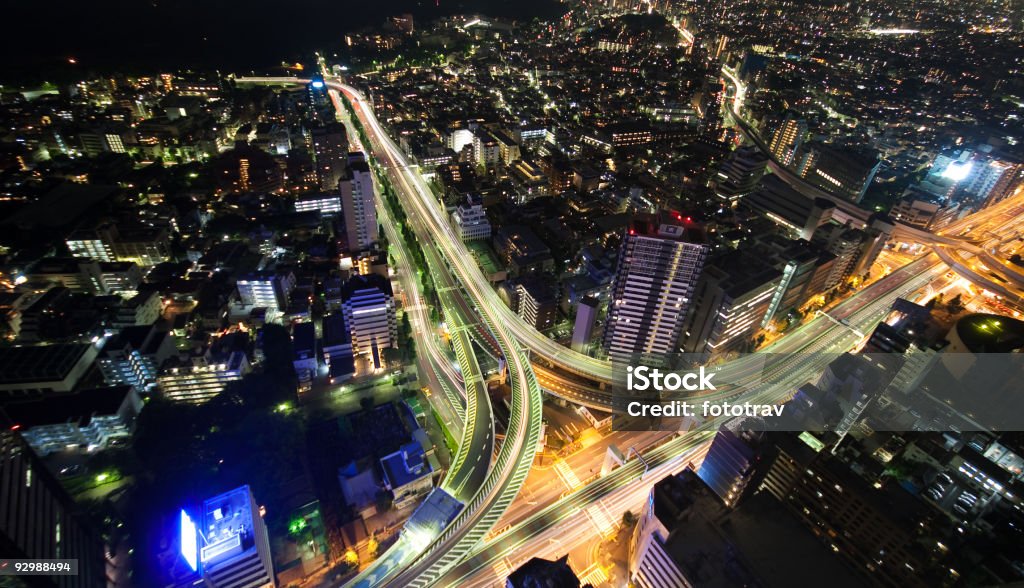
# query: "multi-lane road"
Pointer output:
{"type": "Point", "coordinates": [460, 556]}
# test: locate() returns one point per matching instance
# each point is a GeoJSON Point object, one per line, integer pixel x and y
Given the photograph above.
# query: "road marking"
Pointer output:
{"type": "Point", "coordinates": [566, 474]}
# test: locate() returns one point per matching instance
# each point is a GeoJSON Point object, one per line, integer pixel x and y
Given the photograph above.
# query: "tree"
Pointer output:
{"type": "Point", "coordinates": [955, 305]}
{"type": "Point", "coordinates": [628, 519]}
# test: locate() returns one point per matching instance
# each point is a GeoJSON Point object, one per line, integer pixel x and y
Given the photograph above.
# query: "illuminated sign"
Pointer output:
{"type": "Point", "coordinates": [189, 541]}
{"type": "Point", "coordinates": [317, 84]}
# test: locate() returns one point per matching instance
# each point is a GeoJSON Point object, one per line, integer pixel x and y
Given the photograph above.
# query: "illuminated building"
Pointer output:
{"type": "Point", "coordinates": [327, 204]}
{"type": "Point", "coordinates": [86, 421]}
{"type": "Point", "coordinates": [330, 152]}
{"type": "Point", "coordinates": [201, 379]}
{"type": "Point", "coordinates": [142, 309]}
{"type": "Point", "coordinates": [133, 356]}
{"type": "Point", "coordinates": [660, 262]}
{"type": "Point", "coordinates": [787, 139]}
{"type": "Point", "coordinates": [243, 174]}
{"type": "Point", "coordinates": [145, 246]}
{"type": "Point", "coordinates": [730, 304]}
{"type": "Point", "coordinates": [407, 474]}
{"type": "Point", "coordinates": [470, 221]}
{"type": "Point", "coordinates": [120, 276]}
{"type": "Point", "coordinates": [91, 245]}
{"type": "Point", "coordinates": [265, 289]}
{"type": "Point", "coordinates": [486, 149]}
{"type": "Point", "coordinates": [357, 193]}
{"type": "Point", "coordinates": [38, 520]}
{"type": "Point", "coordinates": [924, 210]}
{"type": "Point", "coordinates": [369, 309]}
{"type": "Point", "coordinates": [838, 171]}
{"type": "Point", "coordinates": [536, 302]}
{"type": "Point", "coordinates": [228, 544]}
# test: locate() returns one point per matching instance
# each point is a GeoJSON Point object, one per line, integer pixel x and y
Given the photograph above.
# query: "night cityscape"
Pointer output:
{"type": "Point", "coordinates": [556, 293]}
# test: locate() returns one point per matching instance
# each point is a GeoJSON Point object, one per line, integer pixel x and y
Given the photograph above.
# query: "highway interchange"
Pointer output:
{"type": "Point", "coordinates": [475, 549]}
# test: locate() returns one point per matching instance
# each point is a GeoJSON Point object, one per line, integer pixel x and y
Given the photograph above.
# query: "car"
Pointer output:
{"type": "Point", "coordinates": [944, 478]}
{"type": "Point", "coordinates": [959, 508]}
{"type": "Point", "coordinates": [71, 470]}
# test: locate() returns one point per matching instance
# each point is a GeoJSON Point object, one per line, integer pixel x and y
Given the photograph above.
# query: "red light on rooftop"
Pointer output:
{"type": "Point", "coordinates": [689, 220]}
{"type": "Point", "coordinates": [15, 427]}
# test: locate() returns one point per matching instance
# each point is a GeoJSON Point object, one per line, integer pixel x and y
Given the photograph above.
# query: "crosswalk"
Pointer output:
{"type": "Point", "coordinates": [598, 514]}
{"type": "Point", "coordinates": [595, 575]}
{"type": "Point", "coordinates": [566, 474]}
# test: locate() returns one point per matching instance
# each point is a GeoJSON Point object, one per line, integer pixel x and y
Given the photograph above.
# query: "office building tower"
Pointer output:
{"type": "Point", "coordinates": [787, 139]}
{"type": "Point", "coordinates": [732, 461]}
{"type": "Point", "coordinates": [368, 306]}
{"type": "Point", "coordinates": [660, 261]}
{"type": "Point", "coordinates": [840, 171]}
{"type": "Point", "coordinates": [740, 174]}
{"type": "Point", "coordinates": [231, 547]}
{"type": "Point", "coordinates": [330, 153]}
{"type": "Point", "coordinates": [730, 304]}
{"type": "Point", "coordinates": [38, 520]}
{"type": "Point", "coordinates": [357, 202]}
{"type": "Point", "coordinates": [876, 528]}
{"type": "Point", "coordinates": [994, 179]}
{"type": "Point", "coordinates": [583, 328]}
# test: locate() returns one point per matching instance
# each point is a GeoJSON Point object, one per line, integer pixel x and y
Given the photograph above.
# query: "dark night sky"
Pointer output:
{"type": "Point", "coordinates": [40, 35]}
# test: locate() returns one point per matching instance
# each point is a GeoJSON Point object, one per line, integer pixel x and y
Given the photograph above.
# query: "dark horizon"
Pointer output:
{"type": "Point", "coordinates": [133, 37]}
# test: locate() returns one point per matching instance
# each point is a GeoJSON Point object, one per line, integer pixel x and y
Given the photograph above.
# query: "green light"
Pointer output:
{"type": "Point", "coordinates": [100, 478]}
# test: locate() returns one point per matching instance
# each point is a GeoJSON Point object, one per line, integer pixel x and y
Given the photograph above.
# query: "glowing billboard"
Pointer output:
{"type": "Point", "coordinates": [189, 541]}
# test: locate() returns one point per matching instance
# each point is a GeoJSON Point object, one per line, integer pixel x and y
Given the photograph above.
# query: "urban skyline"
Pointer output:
{"type": "Point", "coordinates": [361, 314]}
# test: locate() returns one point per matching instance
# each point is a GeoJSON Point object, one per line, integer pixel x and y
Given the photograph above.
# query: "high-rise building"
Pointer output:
{"type": "Point", "coordinates": [840, 171]}
{"type": "Point", "coordinates": [787, 139]}
{"type": "Point", "coordinates": [38, 520]}
{"type": "Point", "coordinates": [729, 304]}
{"type": "Point", "coordinates": [876, 528]}
{"type": "Point", "coordinates": [583, 328]}
{"type": "Point", "coordinates": [330, 152]}
{"type": "Point", "coordinates": [231, 547]}
{"type": "Point", "coordinates": [660, 260]}
{"type": "Point", "coordinates": [732, 461]}
{"type": "Point", "coordinates": [357, 193]}
{"type": "Point", "coordinates": [368, 305]}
